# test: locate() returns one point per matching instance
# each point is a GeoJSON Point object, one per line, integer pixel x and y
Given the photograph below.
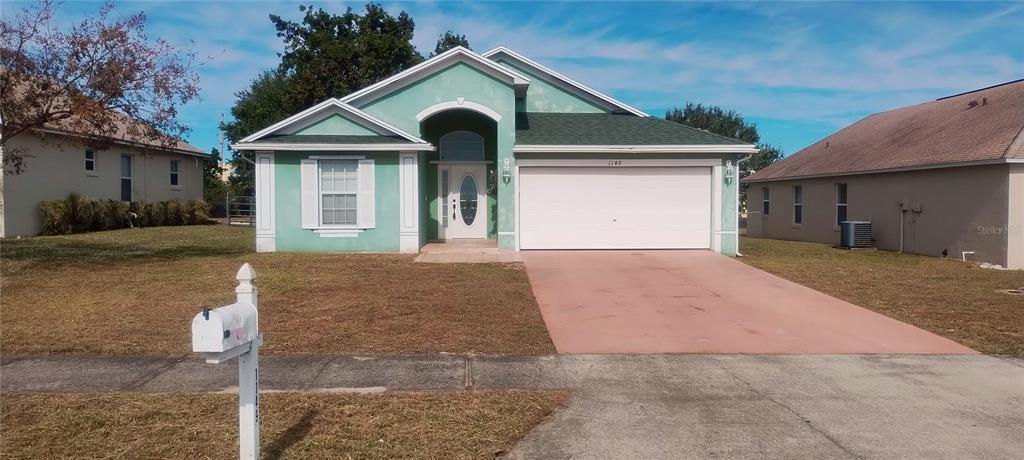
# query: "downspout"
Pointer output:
{"type": "Point", "coordinates": [741, 160]}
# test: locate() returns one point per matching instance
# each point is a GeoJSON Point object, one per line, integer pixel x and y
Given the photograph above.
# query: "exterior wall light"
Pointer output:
{"type": "Point", "coordinates": [729, 172]}
{"type": "Point", "coordinates": [506, 172]}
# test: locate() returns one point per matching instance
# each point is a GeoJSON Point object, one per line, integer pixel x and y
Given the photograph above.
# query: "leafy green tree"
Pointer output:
{"type": "Point", "coordinates": [332, 55]}
{"type": "Point", "coordinates": [716, 120]}
{"type": "Point", "coordinates": [449, 40]}
{"type": "Point", "coordinates": [728, 123]}
{"type": "Point", "coordinates": [215, 189]}
{"type": "Point", "coordinates": [325, 55]}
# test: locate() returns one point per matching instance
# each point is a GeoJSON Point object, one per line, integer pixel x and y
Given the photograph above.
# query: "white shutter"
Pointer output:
{"type": "Point", "coordinates": [310, 193]}
{"type": "Point", "coordinates": [366, 212]}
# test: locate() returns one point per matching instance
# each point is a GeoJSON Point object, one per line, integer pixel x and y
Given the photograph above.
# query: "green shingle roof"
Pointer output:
{"type": "Point", "coordinates": [333, 139]}
{"type": "Point", "coordinates": [534, 128]}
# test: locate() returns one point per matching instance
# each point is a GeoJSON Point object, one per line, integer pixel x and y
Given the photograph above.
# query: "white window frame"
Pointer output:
{"type": "Point", "coordinates": [798, 203]}
{"type": "Point", "coordinates": [90, 162]}
{"type": "Point", "coordinates": [320, 194]}
{"type": "Point", "coordinates": [130, 176]}
{"type": "Point", "coordinates": [844, 204]}
{"type": "Point", "coordinates": [175, 170]}
{"type": "Point", "coordinates": [766, 202]}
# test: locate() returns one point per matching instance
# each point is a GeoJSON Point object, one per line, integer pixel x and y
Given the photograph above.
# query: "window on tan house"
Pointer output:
{"type": "Point", "coordinates": [90, 161]}
{"type": "Point", "coordinates": [175, 173]}
{"type": "Point", "coordinates": [126, 177]}
{"type": "Point", "coordinates": [765, 201]}
{"type": "Point", "coordinates": [798, 204]}
{"type": "Point", "coordinates": [840, 204]}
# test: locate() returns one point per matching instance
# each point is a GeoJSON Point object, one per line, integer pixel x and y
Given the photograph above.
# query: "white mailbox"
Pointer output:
{"type": "Point", "coordinates": [221, 329]}
{"type": "Point", "coordinates": [229, 332]}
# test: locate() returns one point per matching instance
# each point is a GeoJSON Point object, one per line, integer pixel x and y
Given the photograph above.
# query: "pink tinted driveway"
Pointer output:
{"type": "Point", "coordinates": [702, 302]}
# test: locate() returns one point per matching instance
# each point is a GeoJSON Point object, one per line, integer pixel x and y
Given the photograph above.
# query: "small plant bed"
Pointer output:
{"type": "Point", "coordinates": [136, 291]}
{"type": "Point", "coordinates": [76, 214]}
{"type": "Point", "coordinates": [956, 300]}
{"type": "Point", "coordinates": [468, 424]}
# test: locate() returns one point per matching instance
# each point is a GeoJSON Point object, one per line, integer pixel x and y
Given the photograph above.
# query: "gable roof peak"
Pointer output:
{"type": "Point", "coordinates": [426, 68]}
{"type": "Point", "coordinates": [564, 81]}
{"type": "Point", "coordinates": [360, 117]}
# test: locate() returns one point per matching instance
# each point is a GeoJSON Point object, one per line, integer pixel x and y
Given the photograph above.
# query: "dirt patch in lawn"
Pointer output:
{"type": "Point", "coordinates": [468, 424]}
{"type": "Point", "coordinates": [953, 299]}
{"type": "Point", "coordinates": [309, 303]}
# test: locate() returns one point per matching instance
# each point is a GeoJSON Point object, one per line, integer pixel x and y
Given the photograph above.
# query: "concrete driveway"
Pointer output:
{"type": "Point", "coordinates": [702, 302]}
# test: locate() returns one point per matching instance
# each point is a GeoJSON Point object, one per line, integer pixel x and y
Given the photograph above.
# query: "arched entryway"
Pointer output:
{"type": "Point", "coordinates": [460, 183]}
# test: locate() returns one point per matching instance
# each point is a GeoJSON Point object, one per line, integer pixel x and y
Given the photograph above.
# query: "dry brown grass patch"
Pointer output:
{"type": "Point", "coordinates": [953, 299]}
{"type": "Point", "coordinates": [143, 302]}
{"type": "Point", "coordinates": [468, 424]}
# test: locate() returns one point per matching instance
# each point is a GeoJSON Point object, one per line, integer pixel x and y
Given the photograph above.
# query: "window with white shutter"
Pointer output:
{"type": "Point", "coordinates": [337, 193]}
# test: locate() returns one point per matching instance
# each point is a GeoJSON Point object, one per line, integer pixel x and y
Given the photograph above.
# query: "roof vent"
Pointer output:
{"type": "Point", "coordinates": [984, 101]}
{"type": "Point", "coordinates": [972, 104]}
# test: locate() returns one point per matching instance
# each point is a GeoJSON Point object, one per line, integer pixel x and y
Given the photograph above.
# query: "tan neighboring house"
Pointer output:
{"type": "Point", "coordinates": [58, 163]}
{"type": "Point", "coordinates": [946, 175]}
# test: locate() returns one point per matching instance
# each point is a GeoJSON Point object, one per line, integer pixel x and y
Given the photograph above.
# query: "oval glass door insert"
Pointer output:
{"type": "Point", "coordinates": [467, 199]}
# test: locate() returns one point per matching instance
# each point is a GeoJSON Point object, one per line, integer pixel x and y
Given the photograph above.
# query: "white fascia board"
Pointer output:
{"type": "Point", "coordinates": [739, 149]}
{"type": "Point", "coordinates": [380, 125]}
{"type": "Point", "coordinates": [416, 72]}
{"type": "Point", "coordinates": [568, 81]}
{"type": "Point", "coordinates": [959, 164]}
{"type": "Point", "coordinates": [330, 147]}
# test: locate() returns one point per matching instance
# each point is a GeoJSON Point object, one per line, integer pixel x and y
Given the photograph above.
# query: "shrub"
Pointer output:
{"type": "Point", "coordinates": [55, 217]}
{"type": "Point", "coordinates": [158, 214]}
{"type": "Point", "coordinates": [175, 213]}
{"type": "Point", "coordinates": [76, 214]}
{"type": "Point", "coordinates": [97, 216]}
{"type": "Point", "coordinates": [141, 219]}
{"type": "Point", "coordinates": [197, 212]}
{"type": "Point", "coordinates": [117, 214]}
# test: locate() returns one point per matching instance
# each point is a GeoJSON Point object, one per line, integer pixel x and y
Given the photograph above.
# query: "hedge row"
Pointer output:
{"type": "Point", "coordinates": [76, 214]}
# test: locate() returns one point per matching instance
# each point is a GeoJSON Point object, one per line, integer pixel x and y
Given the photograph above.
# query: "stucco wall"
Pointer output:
{"type": "Point", "coordinates": [546, 97]}
{"type": "Point", "coordinates": [460, 81]}
{"type": "Point", "coordinates": [1015, 228]}
{"type": "Point", "coordinates": [384, 237]}
{"type": "Point", "coordinates": [962, 209]}
{"type": "Point", "coordinates": [56, 168]}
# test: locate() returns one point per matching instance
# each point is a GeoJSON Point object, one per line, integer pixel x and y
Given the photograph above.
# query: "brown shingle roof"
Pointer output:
{"type": "Point", "coordinates": [948, 130]}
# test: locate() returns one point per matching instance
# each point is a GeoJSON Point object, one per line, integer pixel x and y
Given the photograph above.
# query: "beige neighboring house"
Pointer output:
{"type": "Point", "coordinates": [58, 163]}
{"type": "Point", "coordinates": [943, 175]}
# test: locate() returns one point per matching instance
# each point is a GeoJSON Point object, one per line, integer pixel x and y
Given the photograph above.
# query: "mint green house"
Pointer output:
{"type": "Point", "coordinates": [490, 146]}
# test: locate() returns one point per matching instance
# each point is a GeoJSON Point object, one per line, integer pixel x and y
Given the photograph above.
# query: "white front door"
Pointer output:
{"type": "Point", "coordinates": [463, 201]}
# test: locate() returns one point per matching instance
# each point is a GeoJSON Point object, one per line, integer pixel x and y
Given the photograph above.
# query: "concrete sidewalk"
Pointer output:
{"type": "Point", "coordinates": [649, 406]}
{"type": "Point", "coordinates": [75, 374]}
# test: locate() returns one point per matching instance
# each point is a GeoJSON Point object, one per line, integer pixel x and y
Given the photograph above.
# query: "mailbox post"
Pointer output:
{"type": "Point", "coordinates": [233, 331]}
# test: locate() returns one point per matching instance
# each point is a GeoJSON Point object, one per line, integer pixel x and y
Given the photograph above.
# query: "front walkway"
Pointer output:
{"type": "Point", "coordinates": [465, 252]}
{"type": "Point", "coordinates": [647, 406]}
{"type": "Point", "coordinates": [702, 302]}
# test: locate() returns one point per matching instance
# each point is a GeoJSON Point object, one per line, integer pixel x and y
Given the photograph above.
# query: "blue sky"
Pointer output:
{"type": "Point", "coordinates": [800, 70]}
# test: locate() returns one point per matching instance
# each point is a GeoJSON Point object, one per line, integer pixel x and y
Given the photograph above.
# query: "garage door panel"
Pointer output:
{"type": "Point", "coordinates": [614, 208]}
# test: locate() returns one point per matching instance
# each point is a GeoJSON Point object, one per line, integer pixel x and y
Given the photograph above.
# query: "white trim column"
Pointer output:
{"type": "Point", "coordinates": [409, 203]}
{"type": "Point", "coordinates": [266, 227]}
{"type": "Point", "coordinates": [716, 207]}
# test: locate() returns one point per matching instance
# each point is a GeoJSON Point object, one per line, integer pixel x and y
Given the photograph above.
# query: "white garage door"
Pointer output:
{"type": "Point", "coordinates": [614, 208]}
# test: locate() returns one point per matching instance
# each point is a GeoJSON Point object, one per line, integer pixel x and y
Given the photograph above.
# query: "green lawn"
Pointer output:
{"type": "Point", "coordinates": [135, 292]}
{"type": "Point", "coordinates": [953, 299]}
